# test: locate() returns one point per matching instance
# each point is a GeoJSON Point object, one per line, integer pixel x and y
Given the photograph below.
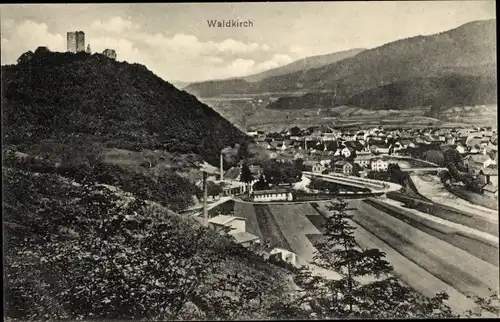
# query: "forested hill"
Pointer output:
{"type": "Point", "coordinates": [50, 95]}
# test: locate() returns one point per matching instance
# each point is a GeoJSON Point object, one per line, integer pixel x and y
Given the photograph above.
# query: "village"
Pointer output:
{"type": "Point", "coordinates": [319, 163]}
{"type": "Point", "coordinates": [358, 152]}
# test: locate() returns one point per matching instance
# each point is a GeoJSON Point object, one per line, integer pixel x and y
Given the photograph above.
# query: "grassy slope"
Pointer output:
{"type": "Point", "coordinates": [40, 204]}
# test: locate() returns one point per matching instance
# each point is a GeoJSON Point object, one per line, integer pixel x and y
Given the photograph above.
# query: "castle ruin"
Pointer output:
{"type": "Point", "coordinates": [110, 53]}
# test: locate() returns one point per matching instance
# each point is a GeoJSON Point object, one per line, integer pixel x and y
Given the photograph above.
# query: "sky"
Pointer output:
{"type": "Point", "coordinates": [176, 43]}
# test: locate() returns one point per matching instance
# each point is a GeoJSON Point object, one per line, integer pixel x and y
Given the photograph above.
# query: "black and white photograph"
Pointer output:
{"type": "Point", "coordinates": [249, 161]}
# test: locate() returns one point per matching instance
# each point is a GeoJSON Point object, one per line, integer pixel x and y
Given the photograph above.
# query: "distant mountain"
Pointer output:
{"type": "Point", "coordinates": [469, 50]}
{"type": "Point", "coordinates": [179, 84]}
{"type": "Point", "coordinates": [60, 95]}
{"type": "Point", "coordinates": [304, 64]}
{"type": "Point", "coordinates": [438, 92]}
{"type": "Point", "coordinates": [215, 88]}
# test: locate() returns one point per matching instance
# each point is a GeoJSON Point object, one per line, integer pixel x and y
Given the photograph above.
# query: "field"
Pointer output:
{"type": "Point", "coordinates": [240, 111]}
{"type": "Point", "coordinates": [292, 221]}
{"type": "Point", "coordinates": [285, 226]}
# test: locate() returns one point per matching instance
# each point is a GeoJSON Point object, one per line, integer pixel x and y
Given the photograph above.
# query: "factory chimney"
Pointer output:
{"type": "Point", "coordinates": [221, 167]}
{"type": "Point", "coordinates": [205, 206]}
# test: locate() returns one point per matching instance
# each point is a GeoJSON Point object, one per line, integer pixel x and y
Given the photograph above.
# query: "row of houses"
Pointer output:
{"type": "Point", "coordinates": [342, 166]}
{"type": "Point", "coordinates": [483, 167]}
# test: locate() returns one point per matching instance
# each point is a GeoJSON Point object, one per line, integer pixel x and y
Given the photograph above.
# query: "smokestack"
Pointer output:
{"type": "Point", "coordinates": [221, 167]}
{"type": "Point", "coordinates": [205, 209]}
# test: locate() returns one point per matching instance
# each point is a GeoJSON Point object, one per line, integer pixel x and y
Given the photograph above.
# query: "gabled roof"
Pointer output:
{"type": "Point", "coordinates": [224, 219]}
{"type": "Point", "coordinates": [243, 236]}
{"type": "Point", "coordinates": [490, 170]}
{"type": "Point", "coordinates": [363, 157]}
{"type": "Point", "coordinates": [266, 192]}
{"type": "Point", "coordinates": [478, 158]}
{"type": "Point", "coordinates": [342, 163]}
{"type": "Point", "coordinates": [490, 188]}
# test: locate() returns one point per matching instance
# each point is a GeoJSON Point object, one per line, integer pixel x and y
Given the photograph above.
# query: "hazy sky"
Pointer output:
{"type": "Point", "coordinates": [176, 43]}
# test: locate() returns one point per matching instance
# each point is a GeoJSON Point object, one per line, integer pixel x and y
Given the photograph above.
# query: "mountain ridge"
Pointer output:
{"type": "Point", "coordinates": [447, 52]}
{"type": "Point", "coordinates": [307, 63]}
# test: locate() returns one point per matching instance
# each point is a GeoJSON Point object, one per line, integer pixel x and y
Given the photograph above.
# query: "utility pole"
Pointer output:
{"type": "Point", "coordinates": [205, 209]}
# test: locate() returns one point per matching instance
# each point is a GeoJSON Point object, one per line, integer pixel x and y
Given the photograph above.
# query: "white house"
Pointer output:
{"type": "Point", "coordinates": [318, 168]}
{"type": "Point", "coordinates": [245, 238]}
{"type": "Point", "coordinates": [236, 224]}
{"type": "Point", "coordinates": [346, 152]}
{"type": "Point", "coordinates": [379, 165]}
{"type": "Point", "coordinates": [363, 160]}
{"type": "Point", "coordinates": [325, 162]}
{"type": "Point", "coordinates": [272, 195]}
{"type": "Point", "coordinates": [285, 255]}
{"type": "Point", "coordinates": [343, 167]}
{"type": "Point", "coordinates": [475, 163]}
{"type": "Point", "coordinates": [461, 149]}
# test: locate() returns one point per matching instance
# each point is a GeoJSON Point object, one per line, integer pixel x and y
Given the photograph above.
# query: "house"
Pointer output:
{"type": "Point", "coordinates": [272, 195]}
{"type": "Point", "coordinates": [237, 229]}
{"type": "Point", "coordinates": [218, 223]}
{"type": "Point", "coordinates": [363, 160]}
{"type": "Point", "coordinates": [283, 145]}
{"type": "Point", "coordinates": [318, 168]}
{"type": "Point", "coordinates": [298, 156]}
{"type": "Point", "coordinates": [325, 162]}
{"type": "Point", "coordinates": [256, 170]}
{"type": "Point", "coordinates": [245, 238]}
{"type": "Point", "coordinates": [285, 255]}
{"type": "Point", "coordinates": [273, 155]}
{"type": "Point", "coordinates": [461, 149]}
{"type": "Point", "coordinates": [379, 165]}
{"type": "Point", "coordinates": [490, 190]}
{"type": "Point", "coordinates": [489, 175]}
{"type": "Point", "coordinates": [343, 167]}
{"type": "Point", "coordinates": [346, 152]}
{"type": "Point", "coordinates": [476, 162]}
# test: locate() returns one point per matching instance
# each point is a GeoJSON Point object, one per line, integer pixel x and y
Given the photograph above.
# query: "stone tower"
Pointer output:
{"type": "Point", "coordinates": [75, 41]}
{"type": "Point", "coordinates": [88, 49]}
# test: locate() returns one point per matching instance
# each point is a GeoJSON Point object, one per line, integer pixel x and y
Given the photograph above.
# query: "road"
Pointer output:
{"type": "Point", "coordinates": [431, 188]}
{"type": "Point", "coordinates": [376, 186]}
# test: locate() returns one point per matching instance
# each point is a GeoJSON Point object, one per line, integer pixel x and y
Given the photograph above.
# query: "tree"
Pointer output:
{"type": "Point", "coordinates": [246, 175]}
{"type": "Point", "coordinates": [348, 297]}
{"type": "Point", "coordinates": [341, 253]}
{"type": "Point", "coordinates": [243, 151]}
{"type": "Point", "coordinates": [434, 156]}
{"type": "Point", "coordinates": [299, 164]}
{"type": "Point", "coordinates": [213, 189]}
{"type": "Point", "coordinates": [356, 169]}
{"type": "Point", "coordinates": [491, 305]}
{"type": "Point", "coordinates": [261, 184]}
{"type": "Point", "coordinates": [452, 156]}
{"type": "Point", "coordinates": [294, 131]}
